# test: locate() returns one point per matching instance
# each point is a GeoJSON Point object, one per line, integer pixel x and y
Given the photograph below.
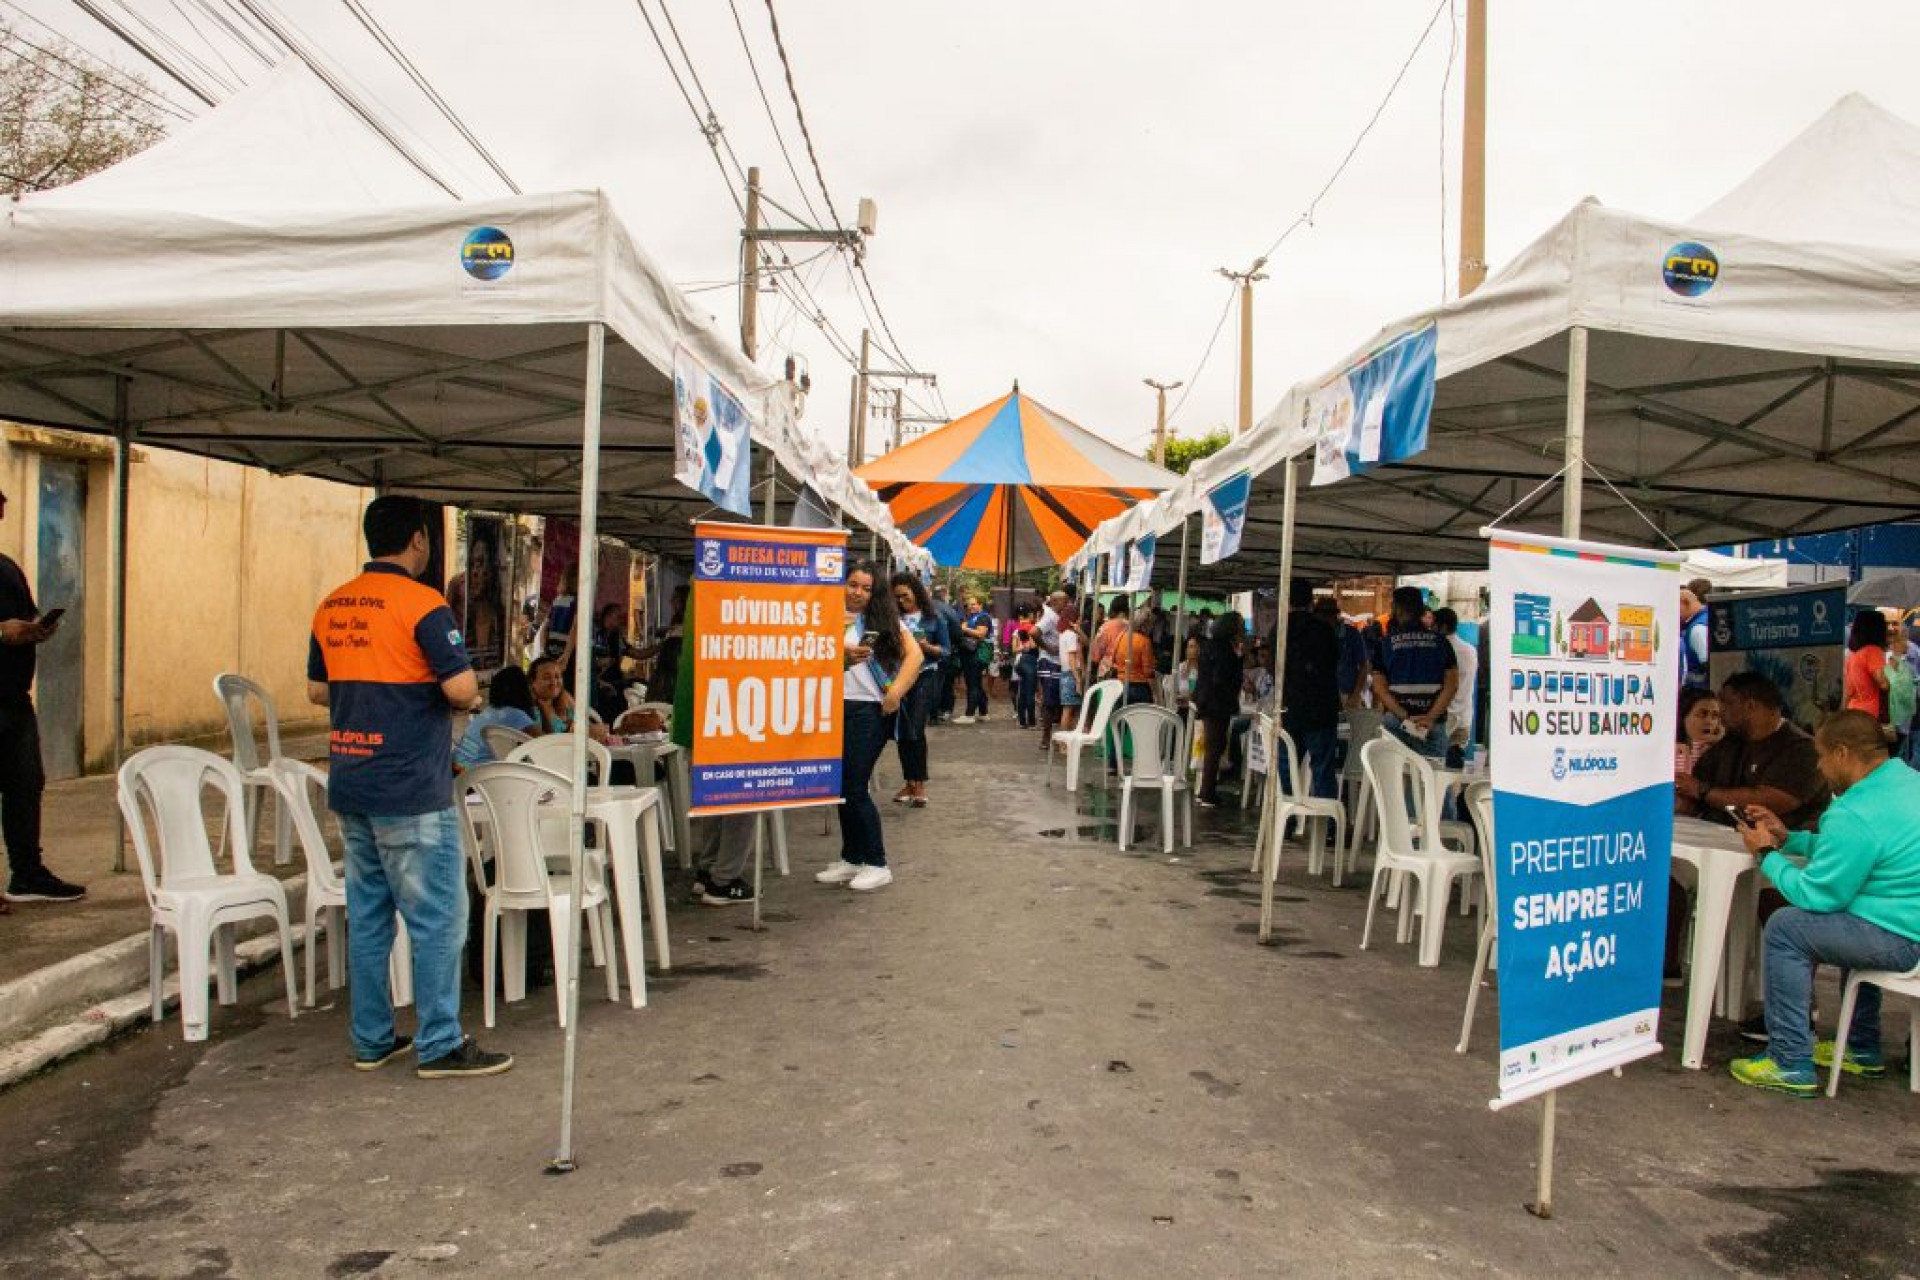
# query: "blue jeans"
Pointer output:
{"type": "Point", "coordinates": [1433, 745]}
{"type": "Point", "coordinates": [413, 865]}
{"type": "Point", "coordinates": [1319, 747]}
{"type": "Point", "coordinates": [1798, 940]}
{"type": "Point", "coordinates": [864, 735]}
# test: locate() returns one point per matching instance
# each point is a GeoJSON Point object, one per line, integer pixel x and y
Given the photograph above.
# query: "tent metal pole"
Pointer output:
{"type": "Point", "coordinates": [1270, 865]}
{"type": "Point", "coordinates": [569, 963]}
{"type": "Point", "coordinates": [1576, 431]}
{"type": "Point", "coordinates": [117, 614]}
{"type": "Point", "coordinates": [1180, 607]}
{"type": "Point", "coordinates": [772, 472]}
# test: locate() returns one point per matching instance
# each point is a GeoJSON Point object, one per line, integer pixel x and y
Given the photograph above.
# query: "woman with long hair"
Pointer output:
{"type": "Point", "coordinates": [1216, 697]}
{"type": "Point", "coordinates": [882, 663]}
{"type": "Point", "coordinates": [1867, 664]}
{"type": "Point", "coordinates": [509, 705]}
{"type": "Point", "coordinates": [910, 724]}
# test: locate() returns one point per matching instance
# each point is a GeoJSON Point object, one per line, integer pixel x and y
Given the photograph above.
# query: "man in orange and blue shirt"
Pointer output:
{"type": "Point", "coordinates": [387, 661]}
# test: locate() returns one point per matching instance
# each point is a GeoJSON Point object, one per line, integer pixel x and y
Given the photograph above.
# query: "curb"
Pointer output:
{"type": "Point", "coordinates": [114, 979]}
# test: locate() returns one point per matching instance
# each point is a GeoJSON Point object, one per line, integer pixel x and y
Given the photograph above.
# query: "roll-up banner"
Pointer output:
{"type": "Point", "coordinates": [1584, 697]}
{"type": "Point", "coordinates": [1224, 517]}
{"type": "Point", "coordinates": [769, 608]}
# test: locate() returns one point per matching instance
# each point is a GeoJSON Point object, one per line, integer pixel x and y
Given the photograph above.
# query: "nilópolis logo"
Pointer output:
{"type": "Point", "coordinates": [711, 559]}
{"type": "Point", "coordinates": [486, 253]}
{"type": "Point", "coordinates": [1690, 269]}
{"type": "Point", "coordinates": [1585, 762]}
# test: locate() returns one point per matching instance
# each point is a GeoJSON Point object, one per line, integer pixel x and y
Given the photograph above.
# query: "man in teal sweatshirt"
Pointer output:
{"type": "Point", "coordinates": [1855, 903]}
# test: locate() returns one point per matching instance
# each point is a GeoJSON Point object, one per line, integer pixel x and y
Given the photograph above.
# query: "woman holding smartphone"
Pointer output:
{"type": "Point", "coordinates": [882, 664]}
{"type": "Point", "coordinates": [910, 726]}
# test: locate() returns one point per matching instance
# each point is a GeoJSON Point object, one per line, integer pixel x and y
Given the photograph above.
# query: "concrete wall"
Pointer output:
{"type": "Point", "coordinates": [225, 565]}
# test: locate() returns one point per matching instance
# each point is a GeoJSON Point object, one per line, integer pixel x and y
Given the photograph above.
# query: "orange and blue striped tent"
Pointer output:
{"type": "Point", "coordinates": [1012, 485]}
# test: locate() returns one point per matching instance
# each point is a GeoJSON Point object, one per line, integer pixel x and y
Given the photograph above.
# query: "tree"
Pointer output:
{"type": "Point", "coordinates": [65, 114]}
{"type": "Point", "coordinates": [1183, 453]}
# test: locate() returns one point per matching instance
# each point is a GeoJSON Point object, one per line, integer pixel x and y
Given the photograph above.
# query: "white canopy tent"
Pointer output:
{"type": "Point", "coordinates": [1772, 403]}
{"type": "Point", "coordinates": [277, 286]}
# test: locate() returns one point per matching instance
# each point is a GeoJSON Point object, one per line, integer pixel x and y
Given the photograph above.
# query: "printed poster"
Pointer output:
{"type": "Point", "coordinates": [770, 610]}
{"type": "Point", "coordinates": [1795, 637]}
{"type": "Point", "coordinates": [1584, 697]}
{"type": "Point", "coordinates": [1375, 412]}
{"type": "Point", "coordinates": [477, 595]}
{"type": "Point", "coordinates": [712, 442]}
{"type": "Point", "coordinates": [1140, 563]}
{"type": "Point", "coordinates": [1224, 518]}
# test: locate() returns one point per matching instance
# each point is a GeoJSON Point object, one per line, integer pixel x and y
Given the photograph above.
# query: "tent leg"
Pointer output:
{"type": "Point", "coordinates": [117, 612]}
{"type": "Point", "coordinates": [567, 967]}
{"type": "Point", "coordinates": [1180, 605]}
{"type": "Point", "coordinates": [1576, 431]}
{"type": "Point", "coordinates": [1272, 846]}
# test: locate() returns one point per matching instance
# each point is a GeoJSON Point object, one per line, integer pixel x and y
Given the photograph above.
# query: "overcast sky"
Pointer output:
{"type": "Point", "coordinates": [1057, 182]}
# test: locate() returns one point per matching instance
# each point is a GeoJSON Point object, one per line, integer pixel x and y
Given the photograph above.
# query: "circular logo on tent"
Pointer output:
{"type": "Point", "coordinates": [486, 253]}
{"type": "Point", "coordinates": [1690, 269]}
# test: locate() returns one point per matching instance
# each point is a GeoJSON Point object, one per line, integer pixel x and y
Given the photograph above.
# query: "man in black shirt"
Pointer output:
{"type": "Point", "coordinates": [22, 778]}
{"type": "Point", "coordinates": [1310, 689]}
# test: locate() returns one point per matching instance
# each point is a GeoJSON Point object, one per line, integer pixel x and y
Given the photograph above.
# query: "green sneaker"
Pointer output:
{"type": "Point", "coordinates": [1765, 1073]}
{"type": "Point", "coordinates": [1868, 1066]}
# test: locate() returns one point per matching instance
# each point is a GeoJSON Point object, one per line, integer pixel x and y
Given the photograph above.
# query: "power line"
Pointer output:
{"type": "Point", "coordinates": [1194, 377]}
{"type": "Point", "coordinates": [328, 78]}
{"type": "Point", "coordinates": [79, 86]}
{"type": "Point", "coordinates": [779, 136]}
{"type": "Point", "coordinates": [215, 49]}
{"type": "Point", "coordinates": [126, 82]}
{"type": "Point", "coordinates": [165, 40]}
{"type": "Point", "coordinates": [452, 117]}
{"type": "Point", "coordinates": [244, 38]}
{"type": "Point", "coordinates": [93, 11]}
{"type": "Point", "coordinates": [1306, 218]}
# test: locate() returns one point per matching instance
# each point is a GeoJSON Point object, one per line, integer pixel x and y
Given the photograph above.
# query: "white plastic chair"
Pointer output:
{"type": "Point", "coordinates": [294, 784]}
{"type": "Point", "coordinates": [1095, 710]}
{"type": "Point", "coordinates": [555, 752]}
{"type": "Point", "coordinates": [1480, 809]}
{"type": "Point", "coordinates": [1364, 724]}
{"type": "Point", "coordinates": [235, 693]}
{"type": "Point", "coordinates": [1899, 984]}
{"type": "Point", "coordinates": [1323, 820]}
{"type": "Point", "coordinates": [501, 740]}
{"type": "Point", "coordinates": [186, 894]}
{"type": "Point", "coordinates": [1149, 745]}
{"type": "Point", "coordinates": [1262, 725]}
{"type": "Point", "coordinates": [1396, 776]}
{"type": "Point", "coordinates": [511, 799]}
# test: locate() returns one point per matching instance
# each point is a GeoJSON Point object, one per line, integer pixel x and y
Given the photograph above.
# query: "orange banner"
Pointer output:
{"type": "Point", "coordinates": [769, 611]}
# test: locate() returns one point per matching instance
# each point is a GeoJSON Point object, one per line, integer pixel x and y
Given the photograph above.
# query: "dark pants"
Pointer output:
{"type": "Point", "coordinates": [22, 779]}
{"type": "Point", "coordinates": [1214, 733]}
{"type": "Point", "coordinates": [1026, 693]}
{"type": "Point", "coordinates": [910, 729]}
{"type": "Point", "coordinates": [942, 708]}
{"type": "Point", "coordinates": [863, 736]}
{"type": "Point", "coordinates": [1319, 746]}
{"type": "Point", "coordinates": [976, 686]}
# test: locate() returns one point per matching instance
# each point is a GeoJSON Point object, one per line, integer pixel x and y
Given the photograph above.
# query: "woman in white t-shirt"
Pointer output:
{"type": "Point", "coordinates": [882, 662]}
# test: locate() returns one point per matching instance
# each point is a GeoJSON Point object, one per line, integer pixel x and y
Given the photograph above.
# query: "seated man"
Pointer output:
{"type": "Point", "coordinates": [1855, 903]}
{"type": "Point", "coordinates": [1764, 759]}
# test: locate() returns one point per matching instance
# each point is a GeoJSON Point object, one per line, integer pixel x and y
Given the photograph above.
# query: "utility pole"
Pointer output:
{"type": "Point", "coordinates": [857, 420]}
{"type": "Point", "coordinates": [1160, 419]}
{"type": "Point", "coordinates": [1248, 278]}
{"type": "Point", "coordinates": [1473, 154]}
{"type": "Point", "coordinates": [750, 268]}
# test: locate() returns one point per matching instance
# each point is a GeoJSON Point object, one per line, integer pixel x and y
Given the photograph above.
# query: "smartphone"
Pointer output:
{"type": "Point", "coordinates": [867, 638]}
{"type": "Point", "coordinates": [51, 616]}
{"type": "Point", "coordinates": [1739, 815]}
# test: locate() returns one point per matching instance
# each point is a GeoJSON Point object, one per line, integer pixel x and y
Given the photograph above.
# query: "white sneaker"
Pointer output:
{"type": "Point", "coordinates": [963, 719]}
{"type": "Point", "coordinates": [871, 878]}
{"type": "Point", "coordinates": [838, 873]}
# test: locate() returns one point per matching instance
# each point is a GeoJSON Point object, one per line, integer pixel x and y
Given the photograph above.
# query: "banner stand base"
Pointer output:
{"type": "Point", "coordinates": [1542, 1205]}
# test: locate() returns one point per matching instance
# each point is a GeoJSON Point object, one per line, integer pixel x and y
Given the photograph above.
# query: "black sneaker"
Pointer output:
{"type": "Point", "coordinates": [468, 1060]}
{"type": "Point", "coordinates": [43, 886]}
{"type": "Point", "coordinates": [400, 1045]}
{"type": "Point", "coordinates": [701, 886]}
{"type": "Point", "coordinates": [1754, 1029]}
{"type": "Point", "coordinates": [727, 895]}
